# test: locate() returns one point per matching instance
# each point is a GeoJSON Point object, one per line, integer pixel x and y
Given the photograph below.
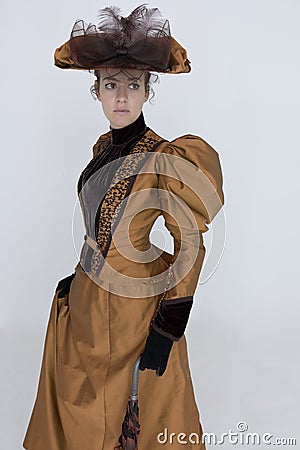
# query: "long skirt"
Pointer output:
{"type": "Point", "coordinates": [93, 339]}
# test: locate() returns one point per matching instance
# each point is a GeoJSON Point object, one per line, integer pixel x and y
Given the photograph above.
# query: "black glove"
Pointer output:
{"type": "Point", "coordinates": [156, 352]}
{"type": "Point", "coordinates": [64, 285]}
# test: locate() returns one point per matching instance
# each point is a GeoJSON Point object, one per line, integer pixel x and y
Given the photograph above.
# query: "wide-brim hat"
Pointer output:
{"type": "Point", "coordinates": [141, 40]}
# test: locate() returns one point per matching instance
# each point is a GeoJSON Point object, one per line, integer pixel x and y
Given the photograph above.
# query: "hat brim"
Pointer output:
{"type": "Point", "coordinates": [178, 60]}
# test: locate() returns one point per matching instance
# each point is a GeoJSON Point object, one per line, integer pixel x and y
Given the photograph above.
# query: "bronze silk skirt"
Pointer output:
{"type": "Point", "coordinates": [93, 339]}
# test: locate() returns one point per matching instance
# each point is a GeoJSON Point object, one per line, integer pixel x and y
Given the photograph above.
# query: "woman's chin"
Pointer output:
{"type": "Point", "coordinates": [121, 120]}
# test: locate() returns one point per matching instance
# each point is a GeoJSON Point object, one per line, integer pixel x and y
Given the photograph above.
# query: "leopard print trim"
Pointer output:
{"type": "Point", "coordinates": [110, 206]}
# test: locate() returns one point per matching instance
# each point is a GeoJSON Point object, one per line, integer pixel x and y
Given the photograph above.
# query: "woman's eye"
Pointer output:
{"type": "Point", "coordinates": [134, 86]}
{"type": "Point", "coordinates": [110, 85]}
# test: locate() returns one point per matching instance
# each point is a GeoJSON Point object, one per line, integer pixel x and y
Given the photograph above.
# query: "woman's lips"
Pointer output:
{"type": "Point", "coordinates": [121, 111]}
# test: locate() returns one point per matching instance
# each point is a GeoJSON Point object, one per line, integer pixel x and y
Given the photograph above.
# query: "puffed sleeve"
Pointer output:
{"type": "Point", "coordinates": [191, 194]}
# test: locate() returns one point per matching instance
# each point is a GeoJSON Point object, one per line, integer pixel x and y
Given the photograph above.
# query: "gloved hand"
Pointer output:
{"type": "Point", "coordinates": [64, 285]}
{"type": "Point", "coordinates": [156, 352]}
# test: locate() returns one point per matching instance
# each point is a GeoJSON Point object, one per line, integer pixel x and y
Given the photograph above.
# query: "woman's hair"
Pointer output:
{"type": "Point", "coordinates": [149, 79]}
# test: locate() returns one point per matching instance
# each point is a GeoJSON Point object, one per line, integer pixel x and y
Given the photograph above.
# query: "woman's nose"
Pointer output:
{"type": "Point", "coordinates": [122, 93]}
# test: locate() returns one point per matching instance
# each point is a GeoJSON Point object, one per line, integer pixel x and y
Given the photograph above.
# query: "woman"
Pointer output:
{"type": "Point", "coordinates": [127, 297]}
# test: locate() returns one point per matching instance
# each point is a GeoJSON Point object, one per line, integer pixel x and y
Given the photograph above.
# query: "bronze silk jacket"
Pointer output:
{"type": "Point", "coordinates": [123, 285]}
{"type": "Point", "coordinates": [182, 180]}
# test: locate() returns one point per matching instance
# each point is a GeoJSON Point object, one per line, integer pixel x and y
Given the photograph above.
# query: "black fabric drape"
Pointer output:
{"type": "Point", "coordinates": [121, 142]}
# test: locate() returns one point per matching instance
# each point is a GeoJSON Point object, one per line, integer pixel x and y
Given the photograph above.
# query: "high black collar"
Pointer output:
{"type": "Point", "coordinates": [122, 135]}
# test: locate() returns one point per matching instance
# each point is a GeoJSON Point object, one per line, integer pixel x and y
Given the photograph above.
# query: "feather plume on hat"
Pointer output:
{"type": "Point", "coordinates": [142, 40]}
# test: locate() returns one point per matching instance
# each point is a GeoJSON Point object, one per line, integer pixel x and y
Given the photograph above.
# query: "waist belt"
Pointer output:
{"type": "Point", "coordinates": [90, 256]}
{"type": "Point", "coordinates": [93, 244]}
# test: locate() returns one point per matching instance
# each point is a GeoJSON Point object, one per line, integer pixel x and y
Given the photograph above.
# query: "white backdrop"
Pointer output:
{"type": "Point", "coordinates": [242, 96]}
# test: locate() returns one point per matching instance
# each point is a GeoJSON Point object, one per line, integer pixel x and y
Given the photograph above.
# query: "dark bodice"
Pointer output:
{"type": "Point", "coordinates": [122, 140]}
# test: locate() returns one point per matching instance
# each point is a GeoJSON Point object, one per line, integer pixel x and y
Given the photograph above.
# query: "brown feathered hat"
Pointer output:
{"type": "Point", "coordinates": [142, 40]}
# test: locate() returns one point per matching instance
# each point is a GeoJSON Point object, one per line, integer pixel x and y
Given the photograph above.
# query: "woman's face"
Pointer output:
{"type": "Point", "coordinates": [122, 94]}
